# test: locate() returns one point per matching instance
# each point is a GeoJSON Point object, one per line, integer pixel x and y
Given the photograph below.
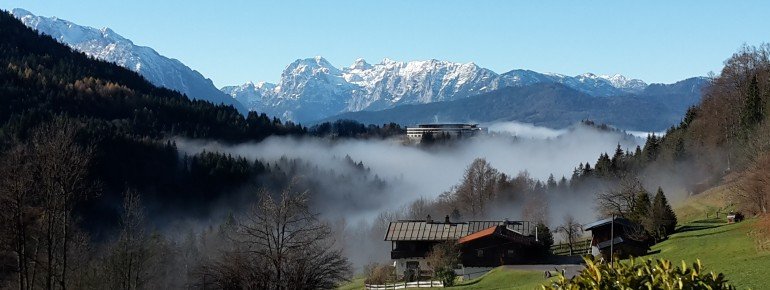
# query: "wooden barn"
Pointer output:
{"type": "Point", "coordinates": [626, 239]}
{"type": "Point", "coordinates": [495, 246]}
{"type": "Point", "coordinates": [482, 243]}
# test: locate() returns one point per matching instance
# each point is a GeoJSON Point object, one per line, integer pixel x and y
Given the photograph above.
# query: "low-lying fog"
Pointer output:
{"type": "Point", "coordinates": [413, 171]}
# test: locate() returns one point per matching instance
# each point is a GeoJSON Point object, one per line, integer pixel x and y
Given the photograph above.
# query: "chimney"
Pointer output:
{"type": "Point", "coordinates": [428, 219]}
{"type": "Point", "coordinates": [446, 219]}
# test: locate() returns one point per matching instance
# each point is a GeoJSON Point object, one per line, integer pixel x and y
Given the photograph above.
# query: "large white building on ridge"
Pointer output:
{"type": "Point", "coordinates": [437, 131]}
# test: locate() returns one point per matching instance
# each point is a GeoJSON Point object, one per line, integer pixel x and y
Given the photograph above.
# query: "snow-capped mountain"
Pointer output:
{"type": "Point", "coordinates": [105, 44]}
{"type": "Point", "coordinates": [312, 89]}
{"type": "Point", "coordinates": [623, 83]}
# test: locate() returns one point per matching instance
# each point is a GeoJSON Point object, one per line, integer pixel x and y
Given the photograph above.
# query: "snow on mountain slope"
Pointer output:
{"type": "Point", "coordinates": [105, 44]}
{"type": "Point", "coordinates": [312, 89]}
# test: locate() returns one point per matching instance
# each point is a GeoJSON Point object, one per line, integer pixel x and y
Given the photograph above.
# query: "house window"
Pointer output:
{"type": "Point", "coordinates": [412, 265]}
{"type": "Point", "coordinates": [480, 253]}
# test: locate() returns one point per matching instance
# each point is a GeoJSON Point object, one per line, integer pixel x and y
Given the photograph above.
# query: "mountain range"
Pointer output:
{"type": "Point", "coordinates": [105, 44]}
{"type": "Point", "coordinates": [312, 89]}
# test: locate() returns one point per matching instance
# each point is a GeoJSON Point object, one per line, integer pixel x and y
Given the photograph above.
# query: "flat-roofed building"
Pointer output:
{"type": "Point", "coordinates": [438, 130]}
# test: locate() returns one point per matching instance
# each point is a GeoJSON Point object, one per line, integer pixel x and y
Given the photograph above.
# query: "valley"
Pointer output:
{"type": "Point", "coordinates": [123, 168]}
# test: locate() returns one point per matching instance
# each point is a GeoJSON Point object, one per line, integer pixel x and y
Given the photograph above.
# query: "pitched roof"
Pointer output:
{"type": "Point", "coordinates": [480, 234]}
{"type": "Point", "coordinates": [618, 220]}
{"type": "Point", "coordinates": [431, 231]}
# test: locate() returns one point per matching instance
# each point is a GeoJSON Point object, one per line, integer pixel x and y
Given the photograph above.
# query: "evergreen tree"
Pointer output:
{"type": "Point", "coordinates": [587, 171]}
{"type": "Point", "coordinates": [641, 209]}
{"type": "Point", "coordinates": [692, 112]}
{"type": "Point", "coordinates": [427, 139]}
{"type": "Point", "coordinates": [663, 218]}
{"type": "Point", "coordinates": [680, 153]}
{"type": "Point", "coordinates": [545, 238]}
{"type": "Point", "coordinates": [753, 109]}
{"type": "Point", "coordinates": [617, 160]}
{"type": "Point", "coordinates": [577, 172]}
{"type": "Point", "coordinates": [603, 165]}
{"type": "Point", "coordinates": [651, 148]}
{"type": "Point", "coordinates": [551, 183]}
{"type": "Point", "coordinates": [563, 184]}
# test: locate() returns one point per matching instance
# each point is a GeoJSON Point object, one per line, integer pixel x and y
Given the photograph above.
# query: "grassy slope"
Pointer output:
{"type": "Point", "coordinates": [726, 248]}
{"type": "Point", "coordinates": [502, 278]}
{"type": "Point", "coordinates": [498, 278]}
{"type": "Point", "coordinates": [695, 207]}
{"type": "Point", "coordinates": [722, 248]}
{"type": "Point", "coordinates": [355, 284]}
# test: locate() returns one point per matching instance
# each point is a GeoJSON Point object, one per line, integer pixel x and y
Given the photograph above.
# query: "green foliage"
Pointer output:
{"type": "Point", "coordinates": [662, 219]}
{"type": "Point", "coordinates": [753, 112]}
{"type": "Point", "coordinates": [652, 148]}
{"type": "Point", "coordinates": [545, 237]}
{"type": "Point", "coordinates": [649, 274]}
{"type": "Point", "coordinates": [446, 275]}
{"type": "Point", "coordinates": [354, 129]}
{"type": "Point", "coordinates": [641, 207]}
{"type": "Point", "coordinates": [443, 258]}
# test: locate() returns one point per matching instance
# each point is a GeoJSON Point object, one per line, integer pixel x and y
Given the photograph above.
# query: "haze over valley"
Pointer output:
{"type": "Point", "coordinates": [124, 167]}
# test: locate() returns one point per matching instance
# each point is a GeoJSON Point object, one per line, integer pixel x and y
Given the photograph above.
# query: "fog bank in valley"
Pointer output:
{"type": "Point", "coordinates": [412, 171]}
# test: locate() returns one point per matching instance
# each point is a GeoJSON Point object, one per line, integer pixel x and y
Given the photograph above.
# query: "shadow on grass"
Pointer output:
{"type": "Point", "coordinates": [690, 228]}
{"type": "Point", "coordinates": [700, 225]}
{"type": "Point", "coordinates": [710, 221]}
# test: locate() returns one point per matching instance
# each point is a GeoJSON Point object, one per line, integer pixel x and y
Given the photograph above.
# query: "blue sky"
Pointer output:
{"type": "Point", "coordinates": [232, 42]}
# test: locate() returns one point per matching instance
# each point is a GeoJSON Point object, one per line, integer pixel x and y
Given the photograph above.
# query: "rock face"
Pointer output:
{"type": "Point", "coordinates": [105, 44]}
{"type": "Point", "coordinates": [313, 89]}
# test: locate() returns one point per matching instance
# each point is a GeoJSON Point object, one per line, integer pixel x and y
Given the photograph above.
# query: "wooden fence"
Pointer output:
{"type": "Point", "coordinates": [404, 285]}
{"type": "Point", "coordinates": [578, 248]}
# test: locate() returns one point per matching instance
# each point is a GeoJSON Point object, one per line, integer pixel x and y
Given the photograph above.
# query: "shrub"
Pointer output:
{"type": "Point", "coordinates": [442, 259]}
{"type": "Point", "coordinates": [378, 273]}
{"type": "Point", "coordinates": [635, 274]}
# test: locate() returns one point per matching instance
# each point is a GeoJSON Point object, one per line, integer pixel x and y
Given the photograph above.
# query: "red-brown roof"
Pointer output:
{"type": "Point", "coordinates": [428, 231]}
{"type": "Point", "coordinates": [480, 234]}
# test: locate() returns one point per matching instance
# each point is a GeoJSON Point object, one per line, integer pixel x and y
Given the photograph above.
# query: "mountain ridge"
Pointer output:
{"type": "Point", "coordinates": [362, 86]}
{"type": "Point", "coordinates": [551, 105]}
{"type": "Point", "coordinates": [105, 44]}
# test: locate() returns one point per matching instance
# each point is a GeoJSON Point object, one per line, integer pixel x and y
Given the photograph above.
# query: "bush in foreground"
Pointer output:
{"type": "Point", "coordinates": [649, 274]}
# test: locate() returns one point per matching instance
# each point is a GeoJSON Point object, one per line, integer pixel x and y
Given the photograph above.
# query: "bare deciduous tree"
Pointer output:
{"type": "Point", "coordinates": [418, 209]}
{"type": "Point", "coordinates": [752, 192]}
{"type": "Point", "coordinates": [280, 244]}
{"type": "Point", "coordinates": [536, 208]}
{"type": "Point", "coordinates": [45, 177]}
{"type": "Point", "coordinates": [570, 230]}
{"type": "Point", "coordinates": [133, 259]}
{"type": "Point", "coordinates": [620, 200]}
{"type": "Point", "coordinates": [478, 186]}
{"type": "Point", "coordinates": [20, 213]}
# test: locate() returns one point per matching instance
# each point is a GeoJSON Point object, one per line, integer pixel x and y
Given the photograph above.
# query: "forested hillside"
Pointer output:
{"type": "Point", "coordinates": [121, 115]}
{"type": "Point", "coordinates": [723, 140]}
{"type": "Point", "coordinates": [90, 169]}
{"type": "Point", "coordinates": [552, 105]}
